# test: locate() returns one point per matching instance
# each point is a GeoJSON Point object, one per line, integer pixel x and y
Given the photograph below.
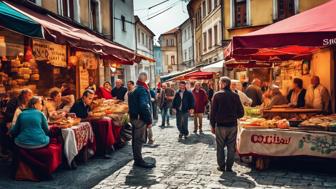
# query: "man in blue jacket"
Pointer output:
{"type": "Point", "coordinates": [183, 103]}
{"type": "Point", "coordinates": [140, 112]}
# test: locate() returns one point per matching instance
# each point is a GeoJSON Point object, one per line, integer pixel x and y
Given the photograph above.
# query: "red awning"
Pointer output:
{"type": "Point", "coordinates": [296, 37]}
{"type": "Point", "coordinates": [195, 75]}
{"type": "Point", "coordinates": [62, 32]}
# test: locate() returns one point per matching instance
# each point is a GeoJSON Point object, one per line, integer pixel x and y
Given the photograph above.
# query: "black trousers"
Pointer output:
{"type": "Point", "coordinates": [139, 137]}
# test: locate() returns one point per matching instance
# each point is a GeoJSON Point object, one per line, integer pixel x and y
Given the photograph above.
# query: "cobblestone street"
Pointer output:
{"type": "Point", "coordinates": [192, 164]}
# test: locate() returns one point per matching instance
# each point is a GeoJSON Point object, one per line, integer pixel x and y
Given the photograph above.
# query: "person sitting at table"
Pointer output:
{"type": "Point", "coordinates": [34, 148]}
{"type": "Point", "coordinates": [31, 128]}
{"type": "Point", "coordinates": [23, 99]}
{"type": "Point", "coordinates": [317, 96]}
{"type": "Point", "coordinates": [119, 91]}
{"type": "Point", "coordinates": [104, 91]}
{"type": "Point", "coordinates": [58, 105]}
{"type": "Point", "coordinates": [276, 98]}
{"type": "Point", "coordinates": [296, 96]}
{"type": "Point", "coordinates": [82, 106]}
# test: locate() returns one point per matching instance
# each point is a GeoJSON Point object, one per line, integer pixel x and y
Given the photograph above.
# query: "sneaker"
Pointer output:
{"type": "Point", "coordinates": [229, 170]}
{"type": "Point", "coordinates": [180, 136]}
{"type": "Point", "coordinates": [195, 131]}
{"type": "Point", "coordinates": [144, 164]}
{"type": "Point", "coordinates": [150, 142]}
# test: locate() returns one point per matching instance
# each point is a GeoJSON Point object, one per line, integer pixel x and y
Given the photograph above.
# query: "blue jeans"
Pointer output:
{"type": "Point", "coordinates": [165, 115]}
{"type": "Point", "coordinates": [182, 122]}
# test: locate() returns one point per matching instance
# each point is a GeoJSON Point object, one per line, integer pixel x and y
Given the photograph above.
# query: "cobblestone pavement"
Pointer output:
{"type": "Point", "coordinates": [192, 164]}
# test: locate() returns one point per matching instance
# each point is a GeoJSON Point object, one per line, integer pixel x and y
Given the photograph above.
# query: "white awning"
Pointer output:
{"type": "Point", "coordinates": [215, 67]}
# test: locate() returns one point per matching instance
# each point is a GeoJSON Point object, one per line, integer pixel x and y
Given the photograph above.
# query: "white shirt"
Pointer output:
{"type": "Point", "coordinates": [244, 99]}
{"type": "Point", "coordinates": [314, 97]}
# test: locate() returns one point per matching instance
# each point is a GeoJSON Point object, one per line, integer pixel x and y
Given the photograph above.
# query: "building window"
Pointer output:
{"type": "Point", "coordinates": [68, 8]}
{"type": "Point", "coordinates": [172, 59]}
{"type": "Point", "coordinates": [139, 36]}
{"type": "Point", "coordinates": [185, 54]}
{"type": "Point", "coordinates": [190, 53]}
{"type": "Point", "coordinates": [199, 49]}
{"type": "Point", "coordinates": [286, 8]}
{"type": "Point", "coordinates": [204, 41]}
{"type": "Point", "coordinates": [172, 42]}
{"type": "Point", "coordinates": [210, 38]}
{"type": "Point", "coordinates": [123, 23]}
{"type": "Point", "coordinates": [94, 15]}
{"type": "Point", "coordinates": [142, 38]}
{"type": "Point", "coordinates": [146, 41]}
{"type": "Point", "coordinates": [204, 9]}
{"type": "Point", "coordinates": [216, 34]}
{"type": "Point", "coordinates": [240, 13]}
{"type": "Point", "coordinates": [209, 6]}
{"type": "Point", "coordinates": [215, 3]}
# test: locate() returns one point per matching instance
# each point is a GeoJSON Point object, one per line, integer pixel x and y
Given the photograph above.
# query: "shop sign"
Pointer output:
{"type": "Point", "coordinates": [87, 59]}
{"type": "Point", "coordinates": [53, 53]}
{"type": "Point", "coordinates": [83, 79]}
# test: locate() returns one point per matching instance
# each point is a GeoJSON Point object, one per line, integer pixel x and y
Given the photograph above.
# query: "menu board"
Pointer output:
{"type": "Point", "coordinates": [88, 59]}
{"type": "Point", "coordinates": [83, 79]}
{"type": "Point", "coordinates": [55, 54]}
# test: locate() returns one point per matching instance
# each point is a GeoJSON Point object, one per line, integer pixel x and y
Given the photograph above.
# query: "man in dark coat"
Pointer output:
{"type": "Point", "coordinates": [119, 91]}
{"type": "Point", "coordinates": [140, 112]}
{"type": "Point", "coordinates": [226, 108]}
{"type": "Point", "coordinates": [82, 106]}
{"type": "Point", "coordinates": [183, 103]}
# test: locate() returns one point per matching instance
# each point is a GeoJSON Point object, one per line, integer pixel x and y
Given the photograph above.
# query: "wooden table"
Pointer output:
{"type": "Point", "coordinates": [289, 113]}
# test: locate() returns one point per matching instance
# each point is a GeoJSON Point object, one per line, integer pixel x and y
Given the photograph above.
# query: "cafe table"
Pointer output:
{"type": "Point", "coordinates": [75, 138]}
{"type": "Point", "coordinates": [103, 130]}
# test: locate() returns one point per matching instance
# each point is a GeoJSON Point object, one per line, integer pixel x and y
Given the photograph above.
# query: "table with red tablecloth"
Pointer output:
{"type": "Point", "coordinates": [103, 130]}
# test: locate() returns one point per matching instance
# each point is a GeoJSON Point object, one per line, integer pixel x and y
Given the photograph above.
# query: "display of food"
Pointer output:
{"type": "Point", "coordinates": [321, 121]}
{"type": "Point", "coordinates": [65, 122]}
{"type": "Point", "coordinates": [103, 107]}
{"type": "Point", "coordinates": [252, 111]}
{"type": "Point", "coordinates": [263, 123]}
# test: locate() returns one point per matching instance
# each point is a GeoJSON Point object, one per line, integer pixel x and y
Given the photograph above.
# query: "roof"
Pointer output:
{"type": "Point", "coordinates": [138, 21]}
{"type": "Point", "coordinates": [172, 31]}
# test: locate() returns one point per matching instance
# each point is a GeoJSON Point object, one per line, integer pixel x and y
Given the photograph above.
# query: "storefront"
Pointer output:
{"type": "Point", "coordinates": [297, 47]}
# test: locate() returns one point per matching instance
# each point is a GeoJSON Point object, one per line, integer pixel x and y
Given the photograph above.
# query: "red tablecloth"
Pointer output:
{"type": "Point", "coordinates": [116, 131]}
{"type": "Point", "coordinates": [103, 130]}
{"type": "Point", "coordinates": [43, 161]}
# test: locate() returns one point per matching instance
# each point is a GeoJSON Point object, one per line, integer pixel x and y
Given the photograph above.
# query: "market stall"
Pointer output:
{"type": "Point", "coordinates": [302, 47]}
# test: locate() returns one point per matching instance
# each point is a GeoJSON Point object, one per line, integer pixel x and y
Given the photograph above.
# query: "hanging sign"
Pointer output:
{"type": "Point", "coordinates": [88, 59]}
{"type": "Point", "coordinates": [53, 53]}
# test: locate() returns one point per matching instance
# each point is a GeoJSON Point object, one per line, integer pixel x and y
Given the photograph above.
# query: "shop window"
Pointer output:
{"type": "Point", "coordinates": [286, 8]}
{"type": "Point", "coordinates": [123, 23]}
{"type": "Point", "coordinates": [240, 13]}
{"type": "Point", "coordinates": [210, 38]}
{"type": "Point", "coordinates": [215, 34]}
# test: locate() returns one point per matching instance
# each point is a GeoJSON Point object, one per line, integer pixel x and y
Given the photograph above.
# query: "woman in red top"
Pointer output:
{"type": "Point", "coordinates": [201, 100]}
{"type": "Point", "coordinates": [105, 91]}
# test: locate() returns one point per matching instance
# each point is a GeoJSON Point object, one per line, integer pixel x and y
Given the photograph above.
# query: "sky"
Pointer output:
{"type": "Point", "coordinates": [165, 21]}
